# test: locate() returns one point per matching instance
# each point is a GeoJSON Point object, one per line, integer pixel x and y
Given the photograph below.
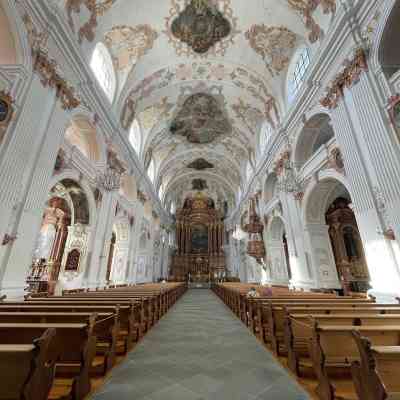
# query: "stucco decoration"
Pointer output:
{"type": "Point", "coordinates": [243, 79]}
{"type": "Point", "coordinates": [306, 9]}
{"type": "Point", "coordinates": [96, 9]}
{"type": "Point", "coordinates": [274, 44]}
{"type": "Point", "coordinates": [151, 115]}
{"type": "Point", "coordinates": [201, 120]}
{"type": "Point", "coordinates": [200, 164]}
{"type": "Point", "coordinates": [252, 117]}
{"type": "Point", "coordinates": [201, 27]}
{"type": "Point", "coordinates": [128, 44]}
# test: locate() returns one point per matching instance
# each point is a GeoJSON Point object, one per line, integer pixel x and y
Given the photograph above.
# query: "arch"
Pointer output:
{"type": "Point", "coordinates": [8, 48]}
{"type": "Point", "coordinates": [385, 51]}
{"type": "Point", "coordinates": [270, 187]}
{"type": "Point", "coordinates": [320, 194]}
{"type": "Point", "coordinates": [83, 184]}
{"type": "Point", "coordinates": [102, 66]}
{"type": "Point", "coordinates": [120, 246]}
{"type": "Point", "coordinates": [316, 132]}
{"type": "Point", "coordinates": [278, 253]}
{"type": "Point", "coordinates": [128, 188]}
{"type": "Point", "coordinates": [82, 134]}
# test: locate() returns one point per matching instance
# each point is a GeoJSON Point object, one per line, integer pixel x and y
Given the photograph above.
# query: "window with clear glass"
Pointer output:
{"type": "Point", "coordinates": [297, 77]}
{"type": "Point", "coordinates": [151, 172]}
{"type": "Point", "coordinates": [135, 136]}
{"type": "Point", "coordinates": [103, 69]}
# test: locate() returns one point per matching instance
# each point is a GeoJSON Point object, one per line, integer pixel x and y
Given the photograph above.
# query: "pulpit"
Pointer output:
{"type": "Point", "coordinates": [200, 234]}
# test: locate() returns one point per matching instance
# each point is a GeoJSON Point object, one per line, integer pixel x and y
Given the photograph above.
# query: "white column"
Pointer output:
{"type": "Point", "coordinates": [381, 144]}
{"type": "Point", "coordinates": [361, 174]}
{"type": "Point", "coordinates": [25, 173]}
{"type": "Point", "coordinates": [301, 277]}
{"type": "Point", "coordinates": [323, 260]}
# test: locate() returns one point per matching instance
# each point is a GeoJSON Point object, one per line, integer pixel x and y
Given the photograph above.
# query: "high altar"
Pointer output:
{"type": "Point", "coordinates": [200, 236]}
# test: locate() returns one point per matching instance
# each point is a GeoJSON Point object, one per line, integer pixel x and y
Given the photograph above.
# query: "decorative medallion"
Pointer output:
{"type": "Point", "coordinates": [200, 164]}
{"type": "Point", "coordinates": [201, 120]}
{"type": "Point", "coordinates": [6, 109]}
{"type": "Point", "coordinates": [199, 27]}
{"type": "Point", "coordinates": [128, 44]}
{"type": "Point", "coordinates": [274, 44]}
{"type": "Point", "coordinates": [199, 184]}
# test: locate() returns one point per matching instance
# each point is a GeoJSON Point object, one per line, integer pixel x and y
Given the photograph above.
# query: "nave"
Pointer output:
{"type": "Point", "coordinates": [200, 350]}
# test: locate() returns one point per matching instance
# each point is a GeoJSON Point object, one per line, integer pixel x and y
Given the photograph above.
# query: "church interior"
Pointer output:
{"type": "Point", "coordinates": [199, 199]}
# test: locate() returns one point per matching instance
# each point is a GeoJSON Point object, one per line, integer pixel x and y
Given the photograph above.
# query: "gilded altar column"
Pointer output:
{"type": "Point", "coordinates": [178, 237]}
{"type": "Point", "coordinates": [209, 239]}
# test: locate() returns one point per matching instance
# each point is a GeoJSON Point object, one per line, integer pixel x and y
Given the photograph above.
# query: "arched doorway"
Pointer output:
{"type": "Point", "coordinates": [278, 252]}
{"type": "Point", "coordinates": [61, 245]}
{"type": "Point", "coordinates": [119, 252]}
{"type": "Point", "coordinates": [334, 240]}
{"type": "Point", "coordinates": [347, 246]}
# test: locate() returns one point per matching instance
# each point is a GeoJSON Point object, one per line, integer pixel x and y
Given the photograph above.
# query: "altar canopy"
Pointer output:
{"type": "Point", "coordinates": [200, 236]}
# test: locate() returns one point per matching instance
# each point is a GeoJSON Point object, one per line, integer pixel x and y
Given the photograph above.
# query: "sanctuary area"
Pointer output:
{"type": "Point", "coordinates": [199, 199]}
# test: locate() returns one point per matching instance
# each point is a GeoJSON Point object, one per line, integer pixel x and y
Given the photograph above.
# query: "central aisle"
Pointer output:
{"type": "Point", "coordinates": [200, 351]}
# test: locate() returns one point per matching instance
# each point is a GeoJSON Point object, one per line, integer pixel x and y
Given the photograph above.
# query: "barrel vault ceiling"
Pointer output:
{"type": "Point", "coordinates": [202, 77]}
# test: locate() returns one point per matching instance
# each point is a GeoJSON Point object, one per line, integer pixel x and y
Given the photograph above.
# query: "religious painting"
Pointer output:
{"type": "Point", "coordinates": [6, 109]}
{"type": "Point", "coordinates": [201, 120]}
{"type": "Point", "coordinates": [201, 25]}
{"type": "Point", "coordinates": [199, 238]}
{"type": "Point", "coordinates": [199, 184]}
{"type": "Point", "coordinates": [200, 164]}
{"type": "Point", "coordinates": [72, 263]}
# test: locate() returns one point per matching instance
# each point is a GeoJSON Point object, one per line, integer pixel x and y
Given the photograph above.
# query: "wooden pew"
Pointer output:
{"type": "Point", "coordinates": [335, 347]}
{"type": "Point", "coordinates": [376, 375]}
{"type": "Point", "coordinates": [74, 345]}
{"type": "Point", "coordinates": [269, 324]}
{"type": "Point", "coordinates": [133, 318]}
{"type": "Point", "coordinates": [299, 332]}
{"type": "Point", "coordinates": [27, 370]}
{"type": "Point", "coordinates": [106, 329]}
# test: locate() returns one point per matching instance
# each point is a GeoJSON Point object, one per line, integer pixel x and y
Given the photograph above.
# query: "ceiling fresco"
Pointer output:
{"type": "Point", "coordinates": [200, 164]}
{"type": "Point", "coordinates": [201, 25]}
{"type": "Point", "coordinates": [201, 77]}
{"type": "Point", "coordinates": [201, 119]}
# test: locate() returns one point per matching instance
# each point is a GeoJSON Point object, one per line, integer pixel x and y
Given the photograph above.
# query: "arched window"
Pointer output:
{"type": "Point", "coordinates": [103, 69]}
{"type": "Point", "coordinates": [173, 207]}
{"type": "Point", "coordinates": [151, 171]}
{"type": "Point", "coordinates": [135, 136]}
{"type": "Point", "coordinates": [265, 135]}
{"type": "Point", "coordinates": [249, 170]}
{"type": "Point", "coordinates": [297, 71]}
{"type": "Point", "coordinates": [161, 191]}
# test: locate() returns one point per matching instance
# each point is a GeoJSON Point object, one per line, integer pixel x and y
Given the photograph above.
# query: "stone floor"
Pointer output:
{"type": "Point", "coordinates": [199, 351]}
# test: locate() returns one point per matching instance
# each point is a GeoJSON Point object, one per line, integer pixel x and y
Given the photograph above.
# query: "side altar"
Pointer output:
{"type": "Point", "coordinates": [199, 258]}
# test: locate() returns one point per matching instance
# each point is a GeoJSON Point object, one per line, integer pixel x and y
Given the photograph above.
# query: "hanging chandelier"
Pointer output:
{"type": "Point", "coordinates": [109, 179]}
